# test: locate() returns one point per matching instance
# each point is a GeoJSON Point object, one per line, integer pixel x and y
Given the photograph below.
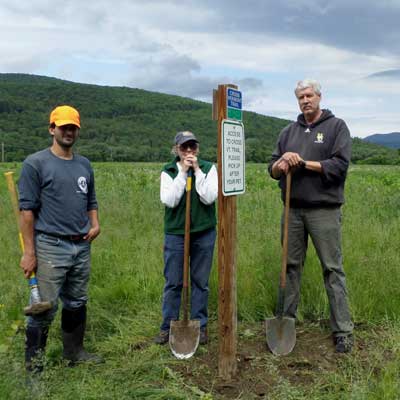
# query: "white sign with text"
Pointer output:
{"type": "Point", "coordinates": [233, 158]}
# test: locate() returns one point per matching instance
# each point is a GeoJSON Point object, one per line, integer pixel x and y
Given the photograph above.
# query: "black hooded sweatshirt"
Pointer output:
{"type": "Point", "coordinates": [327, 141]}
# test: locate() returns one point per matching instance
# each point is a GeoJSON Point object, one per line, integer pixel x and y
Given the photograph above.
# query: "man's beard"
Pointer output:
{"type": "Point", "coordinates": [64, 145]}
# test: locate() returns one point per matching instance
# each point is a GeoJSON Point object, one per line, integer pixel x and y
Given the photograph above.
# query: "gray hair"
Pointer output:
{"type": "Point", "coordinates": [308, 83]}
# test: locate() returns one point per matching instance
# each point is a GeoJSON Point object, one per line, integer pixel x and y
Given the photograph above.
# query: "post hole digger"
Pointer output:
{"type": "Point", "coordinates": [36, 306]}
{"type": "Point", "coordinates": [281, 331]}
{"type": "Point", "coordinates": [184, 335]}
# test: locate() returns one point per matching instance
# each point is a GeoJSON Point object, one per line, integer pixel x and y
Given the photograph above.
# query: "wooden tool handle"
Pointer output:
{"type": "Point", "coordinates": [286, 229]}
{"type": "Point", "coordinates": [186, 251]}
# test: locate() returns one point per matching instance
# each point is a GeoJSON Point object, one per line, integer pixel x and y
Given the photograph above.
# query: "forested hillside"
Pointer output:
{"type": "Point", "coordinates": [125, 124]}
{"type": "Point", "coordinates": [385, 139]}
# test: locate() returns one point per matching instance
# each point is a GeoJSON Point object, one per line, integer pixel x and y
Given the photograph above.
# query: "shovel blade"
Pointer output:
{"type": "Point", "coordinates": [281, 335]}
{"type": "Point", "coordinates": [184, 338]}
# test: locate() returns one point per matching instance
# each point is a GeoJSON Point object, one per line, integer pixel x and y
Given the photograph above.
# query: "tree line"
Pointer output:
{"type": "Point", "coordinates": [127, 124]}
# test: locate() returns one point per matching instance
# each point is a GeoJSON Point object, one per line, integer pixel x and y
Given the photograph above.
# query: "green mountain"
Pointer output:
{"type": "Point", "coordinates": [385, 139]}
{"type": "Point", "coordinates": [125, 124]}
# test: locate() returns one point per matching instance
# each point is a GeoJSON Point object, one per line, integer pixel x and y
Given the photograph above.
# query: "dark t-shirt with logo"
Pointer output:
{"type": "Point", "coordinates": [59, 192]}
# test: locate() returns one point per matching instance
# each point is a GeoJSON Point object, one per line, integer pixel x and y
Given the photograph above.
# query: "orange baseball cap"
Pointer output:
{"type": "Point", "coordinates": [64, 115]}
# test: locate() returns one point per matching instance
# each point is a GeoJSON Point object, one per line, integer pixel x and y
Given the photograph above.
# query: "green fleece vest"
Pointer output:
{"type": "Point", "coordinates": [202, 216]}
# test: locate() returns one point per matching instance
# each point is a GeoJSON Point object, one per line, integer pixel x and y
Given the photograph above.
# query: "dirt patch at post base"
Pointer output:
{"type": "Point", "coordinates": [258, 370]}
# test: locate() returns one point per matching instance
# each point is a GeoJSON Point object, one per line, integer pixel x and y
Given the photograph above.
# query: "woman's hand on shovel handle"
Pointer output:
{"type": "Point", "coordinates": [190, 161]}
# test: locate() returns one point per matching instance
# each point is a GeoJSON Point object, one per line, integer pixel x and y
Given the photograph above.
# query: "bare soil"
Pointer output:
{"type": "Point", "coordinates": [259, 371]}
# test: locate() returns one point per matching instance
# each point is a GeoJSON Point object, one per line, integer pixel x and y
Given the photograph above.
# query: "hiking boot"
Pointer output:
{"type": "Point", "coordinates": [344, 344]}
{"type": "Point", "coordinates": [73, 331]}
{"type": "Point", "coordinates": [203, 336]}
{"type": "Point", "coordinates": [162, 337]}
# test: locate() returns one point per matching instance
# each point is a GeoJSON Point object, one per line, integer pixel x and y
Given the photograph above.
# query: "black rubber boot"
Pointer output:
{"type": "Point", "coordinates": [73, 324]}
{"type": "Point", "coordinates": [35, 345]}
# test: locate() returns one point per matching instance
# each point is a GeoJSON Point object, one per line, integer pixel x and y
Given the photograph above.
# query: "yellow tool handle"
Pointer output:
{"type": "Point", "coordinates": [14, 200]}
{"type": "Point", "coordinates": [189, 184]}
{"type": "Point", "coordinates": [13, 194]}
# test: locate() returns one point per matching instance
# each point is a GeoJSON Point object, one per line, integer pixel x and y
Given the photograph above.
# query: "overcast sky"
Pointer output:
{"type": "Point", "coordinates": [188, 47]}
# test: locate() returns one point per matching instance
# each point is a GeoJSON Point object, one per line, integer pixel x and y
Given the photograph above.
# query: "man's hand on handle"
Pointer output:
{"type": "Point", "coordinates": [28, 263]}
{"type": "Point", "coordinates": [287, 161]}
{"type": "Point", "coordinates": [292, 159]}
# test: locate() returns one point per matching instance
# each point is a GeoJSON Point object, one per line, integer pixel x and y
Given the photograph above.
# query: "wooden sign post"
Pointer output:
{"type": "Point", "coordinates": [227, 307]}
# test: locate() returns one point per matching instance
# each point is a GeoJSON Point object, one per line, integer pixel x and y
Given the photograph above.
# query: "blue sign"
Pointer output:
{"type": "Point", "coordinates": [234, 98]}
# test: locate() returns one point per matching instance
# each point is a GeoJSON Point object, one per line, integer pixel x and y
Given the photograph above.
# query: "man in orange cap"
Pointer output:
{"type": "Point", "coordinates": [58, 222]}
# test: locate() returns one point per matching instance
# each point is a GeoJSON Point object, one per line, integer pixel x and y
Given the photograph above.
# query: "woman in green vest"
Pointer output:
{"type": "Point", "coordinates": [202, 232]}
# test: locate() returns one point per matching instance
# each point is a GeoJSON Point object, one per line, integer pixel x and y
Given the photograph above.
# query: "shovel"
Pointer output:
{"type": "Point", "coordinates": [281, 331]}
{"type": "Point", "coordinates": [37, 306]}
{"type": "Point", "coordinates": [184, 335]}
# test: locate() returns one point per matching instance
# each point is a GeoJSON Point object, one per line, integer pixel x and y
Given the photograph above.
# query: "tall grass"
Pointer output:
{"type": "Point", "coordinates": [126, 279]}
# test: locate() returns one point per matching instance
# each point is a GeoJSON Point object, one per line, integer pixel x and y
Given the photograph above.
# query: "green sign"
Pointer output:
{"type": "Point", "coordinates": [234, 113]}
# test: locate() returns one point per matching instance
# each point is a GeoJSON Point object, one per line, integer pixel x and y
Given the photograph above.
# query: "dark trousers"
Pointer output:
{"type": "Point", "coordinates": [201, 257]}
{"type": "Point", "coordinates": [323, 225]}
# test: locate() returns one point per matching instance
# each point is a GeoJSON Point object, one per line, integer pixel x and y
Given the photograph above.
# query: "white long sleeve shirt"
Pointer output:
{"type": "Point", "coordinates": [172, 190]}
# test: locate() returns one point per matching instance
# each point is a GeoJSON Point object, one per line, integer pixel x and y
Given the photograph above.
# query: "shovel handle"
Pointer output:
{"type": "Point", "coordinates": [286, 230]}
{"type": "Point", "coordinates": [186, 249]}
{"type": "Point", "coordinates": [14, 200]}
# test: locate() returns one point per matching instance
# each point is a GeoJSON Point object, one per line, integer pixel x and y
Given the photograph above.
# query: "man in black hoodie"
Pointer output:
{"type": "Point", "coordinates": [317, 148]}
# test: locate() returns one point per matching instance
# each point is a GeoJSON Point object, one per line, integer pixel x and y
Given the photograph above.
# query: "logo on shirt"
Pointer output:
{"type": "Point", "coordinates": [320, 138]}
{"type": "Point", "coordinates": [82, 184]}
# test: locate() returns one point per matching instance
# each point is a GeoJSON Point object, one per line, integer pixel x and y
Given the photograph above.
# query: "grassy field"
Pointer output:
{"type": "Point", "coordinates": [126, 286]}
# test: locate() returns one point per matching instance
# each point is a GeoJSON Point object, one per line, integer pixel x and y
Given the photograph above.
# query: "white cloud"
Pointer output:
{"type": "Point", "coordinates": [188, 47]}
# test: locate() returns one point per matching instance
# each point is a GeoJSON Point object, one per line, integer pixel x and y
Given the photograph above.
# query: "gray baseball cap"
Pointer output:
{"type": "Point", "coordinates": [186, 136]}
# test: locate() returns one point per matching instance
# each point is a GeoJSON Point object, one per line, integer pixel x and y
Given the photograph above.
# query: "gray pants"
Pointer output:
{"type": "Point", "coordinates": [323, 225]}
{"type": "Point", "coordinates": [63, 268]}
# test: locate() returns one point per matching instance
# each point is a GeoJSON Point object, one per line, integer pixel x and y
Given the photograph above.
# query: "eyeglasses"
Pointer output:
{"type": "Point", "coordinates": [188, 145]}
